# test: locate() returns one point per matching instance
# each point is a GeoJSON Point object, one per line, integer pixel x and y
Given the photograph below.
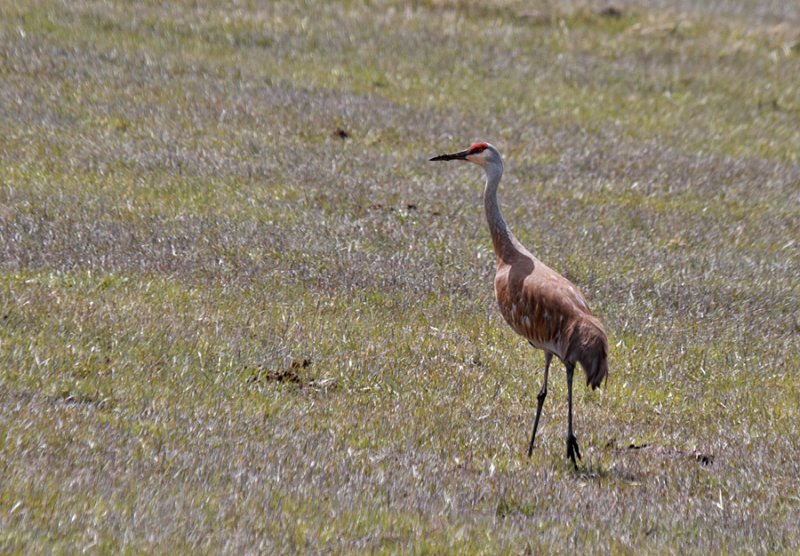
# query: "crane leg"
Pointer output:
{"type": "Point", "coordinates": [572, 443]}
{"type": "Point", "coordinates": [540, 399]}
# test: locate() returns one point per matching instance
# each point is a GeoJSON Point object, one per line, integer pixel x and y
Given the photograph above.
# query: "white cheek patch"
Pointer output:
{"type": "Point", "coordinates": [478, 158]}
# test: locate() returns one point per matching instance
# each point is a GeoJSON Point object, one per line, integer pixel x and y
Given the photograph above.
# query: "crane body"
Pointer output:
{"type": "Point", "coordinates": [537, 302]}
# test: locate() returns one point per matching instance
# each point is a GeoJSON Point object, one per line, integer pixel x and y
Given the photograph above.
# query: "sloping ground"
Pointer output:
{"type": "Point", "coordinates": [240, 312]}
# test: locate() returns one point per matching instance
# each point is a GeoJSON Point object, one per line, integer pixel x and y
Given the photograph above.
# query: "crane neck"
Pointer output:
{"type": "Point", "coordinates": [503, 240]}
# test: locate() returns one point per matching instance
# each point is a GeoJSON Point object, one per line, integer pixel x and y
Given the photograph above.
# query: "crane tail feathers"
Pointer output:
{"type": "Point", "coordinates": [597, 371]}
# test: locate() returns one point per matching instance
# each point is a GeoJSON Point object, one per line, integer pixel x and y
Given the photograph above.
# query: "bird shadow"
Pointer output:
{"type": "Point", "coordinates": [705, 459]}
{"type": "Point", "coordinates": [620, 469]}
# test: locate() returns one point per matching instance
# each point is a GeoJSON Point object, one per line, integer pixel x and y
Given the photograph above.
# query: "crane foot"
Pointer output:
{"type": "Point", "coordinates": [572, 449]}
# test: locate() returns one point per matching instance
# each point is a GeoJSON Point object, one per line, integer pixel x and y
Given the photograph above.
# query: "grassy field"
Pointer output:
{"type": "Point", "coordinates": [240, 312]}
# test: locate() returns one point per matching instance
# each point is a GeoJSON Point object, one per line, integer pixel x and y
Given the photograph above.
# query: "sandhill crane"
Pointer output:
{"type": "Point", "coordinates": [541, 305]}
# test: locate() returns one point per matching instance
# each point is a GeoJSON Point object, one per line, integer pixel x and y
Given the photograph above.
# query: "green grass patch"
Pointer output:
{"type": "Point", "coordinates": [239, 311]}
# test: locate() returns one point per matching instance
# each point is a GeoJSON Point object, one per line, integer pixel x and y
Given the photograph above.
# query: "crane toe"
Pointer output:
{"type": "Point", "coordinates": [573, 450]}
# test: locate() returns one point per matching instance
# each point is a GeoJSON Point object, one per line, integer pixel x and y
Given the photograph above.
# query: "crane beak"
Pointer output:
{"type": "Point", "coordinates": [456, 156]}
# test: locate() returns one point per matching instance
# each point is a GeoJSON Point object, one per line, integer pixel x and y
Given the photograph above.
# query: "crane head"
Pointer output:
{"type": "Point", "coordinates": [479, 153]}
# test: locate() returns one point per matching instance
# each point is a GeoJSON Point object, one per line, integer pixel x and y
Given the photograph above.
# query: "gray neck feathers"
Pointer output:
{"type": "Point", "coordinates": [501, 235]}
